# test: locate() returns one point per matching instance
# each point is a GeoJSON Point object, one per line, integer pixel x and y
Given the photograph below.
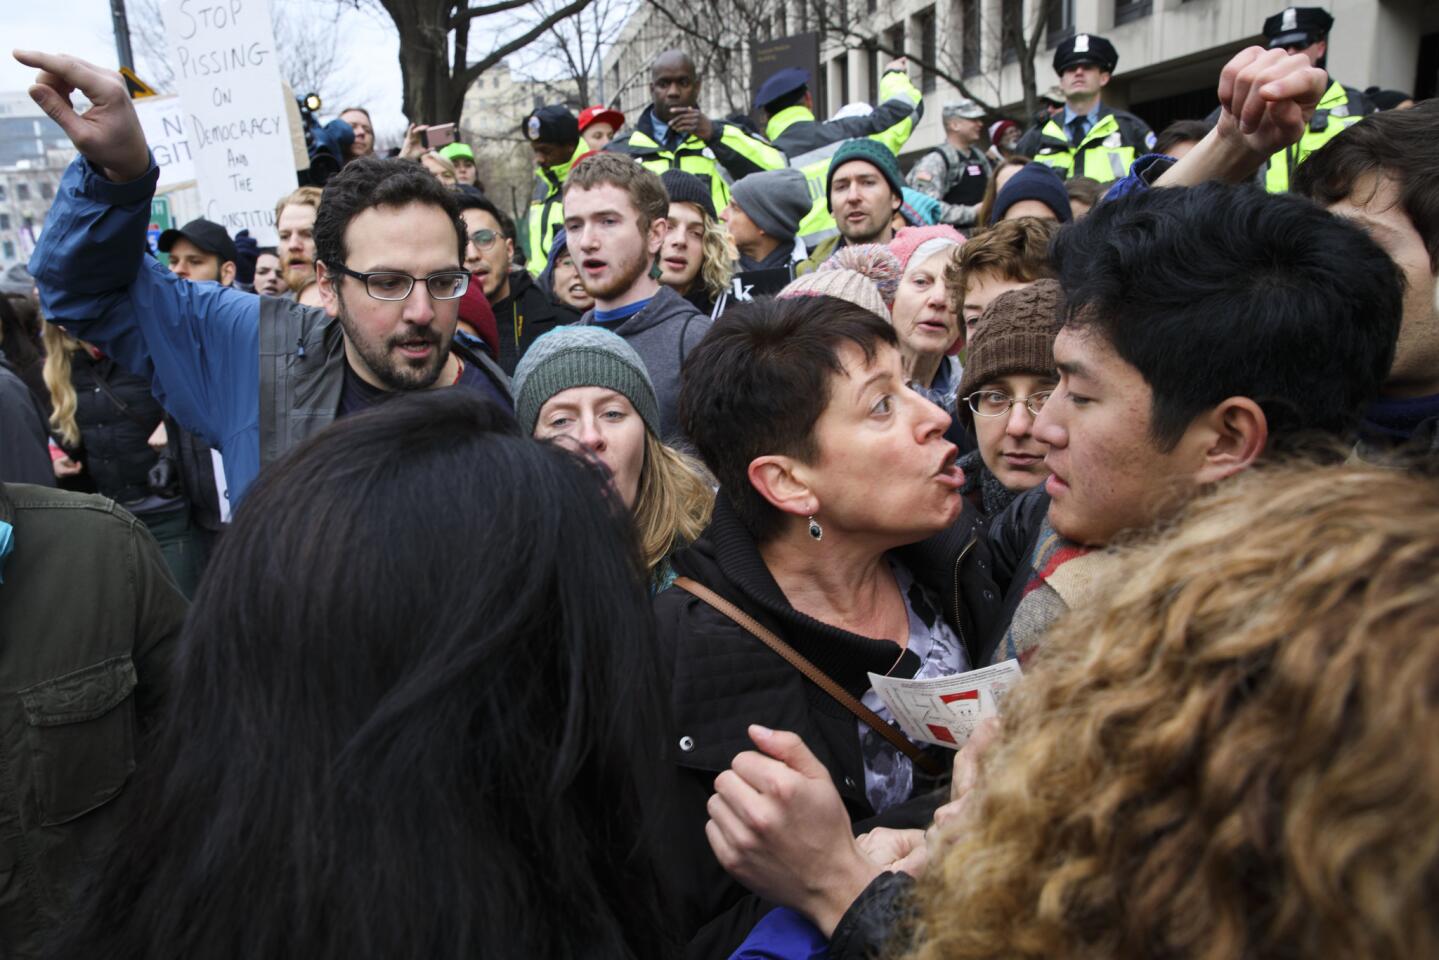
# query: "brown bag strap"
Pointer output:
{"type": "Point", "coordinates": [815, 675]}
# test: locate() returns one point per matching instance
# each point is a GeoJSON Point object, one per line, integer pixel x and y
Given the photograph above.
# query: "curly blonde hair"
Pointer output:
{"type": "Point", "coordinates": [1230, 758]}
{"type": "Point", "coordinates": [716, 257]}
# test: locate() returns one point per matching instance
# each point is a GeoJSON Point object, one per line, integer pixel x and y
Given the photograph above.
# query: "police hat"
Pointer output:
{"type": "Point", "coordinates": [208, 235]}
{"type": "Point", "coordinates": [1086, 48]}
{"type": "Point", "coordinates": [551, 124]}
{"type": "Point", "coordinates": [1297, 26]}
{"type": "Point", "coordinates": [780, 83]}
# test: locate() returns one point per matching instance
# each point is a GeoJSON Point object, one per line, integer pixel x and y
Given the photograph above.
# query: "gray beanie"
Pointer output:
{"type": "Point", "coordinates": [582, 356]}
{"type": "Point", "coordinates": [776, 200]}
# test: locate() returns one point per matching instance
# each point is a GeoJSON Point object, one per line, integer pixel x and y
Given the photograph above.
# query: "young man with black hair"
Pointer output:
{"type": "Point", "coordinates": [1381, 174]}
{"type": "Point", "coordinates": [1207, 329]}
{"type": "Point", "coordinates": [554, 136]}
{"type": "Point", "coordinates": [389, 246]}
{"type": "Point", "coordinates": [522, 310]}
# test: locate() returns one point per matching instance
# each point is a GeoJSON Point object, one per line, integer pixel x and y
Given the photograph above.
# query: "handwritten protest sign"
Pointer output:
{"type": "Point", "coordinates": [228, 75]}
{"type": "Point", "coordinates": [945, 710]}
{"type": "Point", "coordinates": [163, 119]}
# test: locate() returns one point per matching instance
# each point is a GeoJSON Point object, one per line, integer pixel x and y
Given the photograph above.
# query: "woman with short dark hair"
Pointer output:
{"type": "Point", "coordinates": [839, 527]}
{"type": "Point", "coordinates": [412, 717]}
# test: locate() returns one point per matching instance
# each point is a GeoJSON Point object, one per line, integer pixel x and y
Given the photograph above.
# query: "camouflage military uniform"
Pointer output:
{"type": "Point", "coordinates": [956, 181]}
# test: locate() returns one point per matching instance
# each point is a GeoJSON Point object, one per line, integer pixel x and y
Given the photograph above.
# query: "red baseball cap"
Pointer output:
{"type": "Point", "coordinates": [600, 113]}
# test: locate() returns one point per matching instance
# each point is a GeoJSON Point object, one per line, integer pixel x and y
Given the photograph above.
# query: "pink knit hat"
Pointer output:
{"type": "Point", "coordinates": [908, 240]}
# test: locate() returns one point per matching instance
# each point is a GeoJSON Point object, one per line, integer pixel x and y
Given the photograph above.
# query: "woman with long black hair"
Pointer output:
{"type": "Point", "coordinates": [413, 714]}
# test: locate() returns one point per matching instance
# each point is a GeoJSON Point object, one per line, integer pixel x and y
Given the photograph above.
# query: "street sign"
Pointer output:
{"type": "Point", "coordinates": [138, 88]}
{"type": "Point", "coordinates": [160, 221]}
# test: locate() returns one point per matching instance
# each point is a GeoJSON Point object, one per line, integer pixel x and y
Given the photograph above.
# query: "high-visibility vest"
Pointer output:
{"type": "Point", "coordinates": [814, 164]}
{"type": "Point", "coordinates": [1106, 152]}
{"type": "Point", "coordinates": [547, 211]}
{"type": "Point", "coordinates": [694, 156]}
{"type": "Point", "coordinates": [1331, 117]}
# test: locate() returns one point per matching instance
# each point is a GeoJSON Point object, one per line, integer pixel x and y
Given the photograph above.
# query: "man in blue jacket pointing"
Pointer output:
{"type": "Point", "coordinates": [252, 375]}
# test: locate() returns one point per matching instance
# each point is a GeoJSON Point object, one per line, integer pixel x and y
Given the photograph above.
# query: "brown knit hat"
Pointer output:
{"type": "Point", "coordinates": [1015, 334]}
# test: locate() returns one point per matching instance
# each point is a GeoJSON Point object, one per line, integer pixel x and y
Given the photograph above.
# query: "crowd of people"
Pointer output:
{"type": "Point", "coordinates": [308, 654]}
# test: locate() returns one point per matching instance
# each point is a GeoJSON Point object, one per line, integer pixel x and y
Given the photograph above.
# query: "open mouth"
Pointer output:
{"type": "Point", "coordinates": [593, 266]}
{"type": "Point", "coordinates": [949, 472]}
{"type": "Point", "coordinates": [416, 348]}
{"type": "Point", "coordinates": [675, 264]}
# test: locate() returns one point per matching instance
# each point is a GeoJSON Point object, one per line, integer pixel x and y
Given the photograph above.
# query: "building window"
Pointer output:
{"type": "Point", "coordinates": [871, 6]}
{"type": "Point", "coordinates": [1128, 10]}
{"type": "Point", "coordinates": [2, 191]}
{"type": "Point", "coordinates": [22, 191]}
{"type": "Point", "coordinates": [894, 37]}
{"type": "Point", "coordinates": [841, 64]}
{"type": "Point", "coordinates": [1061, 22]}
{"type": "Point", "coordinates": [9, 250]}
{"type": "Point", "coordinates": [971, 38]}
{"type": "Point", "coordinates": [4, 221]}
{"type": "Point", "coordinates": [928, 42]}
{"type": "Point", "coordinates": [47, 192]}
{"type": "Point", "coordinates": [1011, 27]}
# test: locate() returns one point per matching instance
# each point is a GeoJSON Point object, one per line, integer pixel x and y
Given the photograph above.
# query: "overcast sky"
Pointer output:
{"type": "Point", "coordinates": [82, 28]}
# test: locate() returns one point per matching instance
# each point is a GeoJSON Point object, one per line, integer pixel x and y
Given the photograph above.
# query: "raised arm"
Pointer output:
{"type": "Point", "coordinates": [197, 343]}
{"type": "Point", "coordinates": [1266, 98]}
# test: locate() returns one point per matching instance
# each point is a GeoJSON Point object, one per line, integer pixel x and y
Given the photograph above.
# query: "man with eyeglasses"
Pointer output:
{"type": "Point", "coordinates": [522, 309]}
{"type": "Point", "coordinates": [253, 376]}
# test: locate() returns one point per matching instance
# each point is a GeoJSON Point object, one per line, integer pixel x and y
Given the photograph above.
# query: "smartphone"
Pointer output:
{"type": "Point", "coordinates": [439, 135]}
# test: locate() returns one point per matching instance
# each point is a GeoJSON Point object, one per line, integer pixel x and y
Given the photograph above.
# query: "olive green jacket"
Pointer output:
{"type": "Point", "coordinates": [89, 616]}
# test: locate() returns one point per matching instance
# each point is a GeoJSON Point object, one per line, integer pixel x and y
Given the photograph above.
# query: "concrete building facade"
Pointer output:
{"type": "Point", "coordinates": [1170, 51]}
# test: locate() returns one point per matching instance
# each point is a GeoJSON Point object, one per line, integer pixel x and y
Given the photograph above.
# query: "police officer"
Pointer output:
{"type": "Point", "coordinates": [956, 172]}
{"type": "Point", "coordinates": [809, 143]}
{"type": "Point", "coordinates": [1087, 139]}
{"type": "Point", "coordinates": [673, 133]}
{"type": "Point", "coordinates": [554, 135]}
{"type": "Point", "coordinates": [1306, 30]}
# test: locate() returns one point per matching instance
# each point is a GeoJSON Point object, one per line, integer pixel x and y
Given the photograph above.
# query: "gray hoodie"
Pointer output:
{"type": "Point", "coordinates": [663, 333]}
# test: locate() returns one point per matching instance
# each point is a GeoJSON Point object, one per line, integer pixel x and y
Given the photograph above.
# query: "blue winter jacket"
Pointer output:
{"type": "Point", "coordinates": [197, 343]}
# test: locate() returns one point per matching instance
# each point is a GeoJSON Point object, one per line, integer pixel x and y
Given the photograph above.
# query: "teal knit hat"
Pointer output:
{"type": "Point", "coordinates": [872, 152]}
{"type": "Point", "coordinates": [582, 356]}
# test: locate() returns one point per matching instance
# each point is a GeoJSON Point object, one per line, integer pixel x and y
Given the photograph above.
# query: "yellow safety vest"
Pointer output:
{"type": "Point", "coordinates": [1106, 155]}
{"type": "Point", "coordinates": [819, 222]}
{"type": "Point", "coordinates": [694, 156]}
{"type": "Point", "coordinates": [547, 211]}
{"type": "Point", "coordinates": [1330, 118]}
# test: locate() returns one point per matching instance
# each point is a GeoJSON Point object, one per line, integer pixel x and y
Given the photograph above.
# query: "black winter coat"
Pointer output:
{"type": "Point", "coordinates": [115, 442]}
{"type": "Point", "coordinates": [724, 679]}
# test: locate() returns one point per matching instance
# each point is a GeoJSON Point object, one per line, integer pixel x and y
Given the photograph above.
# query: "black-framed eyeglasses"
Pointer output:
{"type": "Point", "coordinates": [387, 285]}
{"type": "Point", "coordinates": [997, 403]}
{"type": "Point", "coordinates": [484, 238]}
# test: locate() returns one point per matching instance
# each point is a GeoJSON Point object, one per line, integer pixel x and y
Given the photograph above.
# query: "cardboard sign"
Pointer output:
{"type": "Point", "coordinates": [945, 710]}
{"type": "Point", "coordinates": [228, 75]}
{"type": "Point", "coordinates": [163, 119]}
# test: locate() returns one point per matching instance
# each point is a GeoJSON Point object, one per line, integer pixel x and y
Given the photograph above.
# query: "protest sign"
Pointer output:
{"type": "Point", "coordinates": [945, 710]}
{"type": "Point", "coordinates": [228, 75]}
{"type": "Point", "coordinates": [163, 119]}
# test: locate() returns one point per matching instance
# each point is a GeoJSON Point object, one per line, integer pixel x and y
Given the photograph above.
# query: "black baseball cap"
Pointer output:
{"type": "Point", "coordinates": [208, 235]}
{"type": "Point", "coordinates": [551, 124]}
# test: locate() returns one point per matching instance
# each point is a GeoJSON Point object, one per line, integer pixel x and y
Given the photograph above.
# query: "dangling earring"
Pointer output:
{"type": "Point", "coordinates": [815, 530]}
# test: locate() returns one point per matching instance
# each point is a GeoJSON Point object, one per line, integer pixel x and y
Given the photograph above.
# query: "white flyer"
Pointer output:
{"type": "Point", "coordinates": [945, 710]}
